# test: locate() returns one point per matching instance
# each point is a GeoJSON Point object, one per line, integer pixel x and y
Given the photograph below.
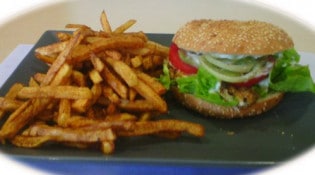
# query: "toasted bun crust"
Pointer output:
{"type": "Point", "coordinates": [224, 112]}
{"type": "Point", "coordinates": [232, 37]}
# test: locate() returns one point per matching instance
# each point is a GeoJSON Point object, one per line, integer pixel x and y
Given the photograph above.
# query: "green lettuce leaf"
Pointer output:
{"type": "Point", "coordinates": [288, 76]}
{"type": "Point", "coordinates": [165, 78]}
{"type": "Point", "coordinates": [203, 85]}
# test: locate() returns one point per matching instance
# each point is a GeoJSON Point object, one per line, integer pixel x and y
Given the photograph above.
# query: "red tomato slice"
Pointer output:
{"type": "Point", "coordinates": [178, 63]}
{"type": "Point", "coordinates": [251, 82]}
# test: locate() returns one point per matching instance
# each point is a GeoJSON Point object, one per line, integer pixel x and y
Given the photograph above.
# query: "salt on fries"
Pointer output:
{"type": "Point", "coordinates": [100, 85]}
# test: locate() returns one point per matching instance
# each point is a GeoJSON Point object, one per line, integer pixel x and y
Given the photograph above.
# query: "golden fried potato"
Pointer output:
{"type": "Point", "coordinates": [98, 86]}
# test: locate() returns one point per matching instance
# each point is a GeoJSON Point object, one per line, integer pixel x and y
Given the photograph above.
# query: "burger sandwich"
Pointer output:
{"type": "Point", "coordinates": [234, 69]}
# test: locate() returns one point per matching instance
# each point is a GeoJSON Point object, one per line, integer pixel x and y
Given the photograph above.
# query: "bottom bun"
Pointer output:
{"type": "Point", "coordinates": [227, 112]}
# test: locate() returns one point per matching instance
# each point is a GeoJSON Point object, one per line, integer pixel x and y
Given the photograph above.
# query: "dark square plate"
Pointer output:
{"type": "Point", "coordinates": [280, 134]}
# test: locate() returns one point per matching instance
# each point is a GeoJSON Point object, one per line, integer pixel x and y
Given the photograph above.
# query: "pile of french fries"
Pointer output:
{"type": "Point", "coordinates": [100, 85]}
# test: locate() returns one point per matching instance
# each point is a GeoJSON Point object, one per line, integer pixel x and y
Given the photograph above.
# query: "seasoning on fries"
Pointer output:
{"type": "Point", "coordinates": [100, 85]}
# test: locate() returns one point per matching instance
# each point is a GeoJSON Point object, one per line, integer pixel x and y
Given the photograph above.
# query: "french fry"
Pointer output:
{"type": "Point", "coordinates": [145, 116]}
{"type": "Point", "coordinates": [95, 76]}
{"type": "Point", "coordinates": [157, 60]}
{"type": "Point", "coordinates": [29, 141]}
{"type": "Point", "coordinates": [64, 112]}
{"type": "Point", "coordinates": [78, 26]}
{"type": "Point", "coordinates": [82, 105]}
{"type": "Point", "coordinates": [39, 77]}
{"type": "Point", "coordinates": [63, 36]}
{"type": "Point", "coordinates": [169, 134]}
{"type": "Point", "coordinates": [81, 52]}
{"type": "Point", "coordinates": [158, 48]}
{"type": "Point", "coordinates": [145, 91]}
{"type": "Point", "coordinates": [125, 72]}
{"type": "Point", "coordinates": [7, 104]}
{"type": "Point", "coordinates": [139, 51]}
{"type": "Point", "coordinates": [119, 41]}
{"type": "Point", "coordinates": [51, 50]}
{"type": "Point", "coordinates": [137, 106]}
{"type": "Point", "coordinates": [60, 134]}
{"type": "Point", "coordinates": [147, 63]}
{"type": "Point", "coordinates": [61, 59]}
{"type": "Point", "coordinates": [105, 23]}
{"type": "Point", "coordinates": [125, 26]}
{"type": "Point", "coordinates": [97, 63]}
{"type": "Point", "coordinates": [93, 39]}
{"type": "Point", "coordinates": [115, 83]}
{"type": "Point", "coordinates": [83, 122]}
{"type": "Point", "coordinates": [11, 95]}
{"type": "Point", "coordinates": [111, 95]}
{"type": "Point", "coordinates": [97, 92]}
{"type": "Point", "coordinates": [49, 59]}
{"type": "Point", "coordinates": [111, 109]}
{"type": "Point", "coordinates": [132, 94]}
{"type": "Point", "coordinates": [113, 54]}
{"type": "Point", "coordinates": [107, 147]}
{"type": "Point", "coordinates": [150, 48]}
{"type": "Point", "coordinates": [78, 78]}
{"type": "Point", "coordinates": [61, 77]}
{"type": "Point", "coordinates": [152, 82]}
{"type": "Point", "coordinates": [32, 82]}
{"type": "Point", "coordinates": [136, 61]}
{"type": "Point", "coordinates": [62, 92]}
{"type": "Point", "coordinates": [150, 127]}
{"type": "Point", "coordinates": [121, 117]}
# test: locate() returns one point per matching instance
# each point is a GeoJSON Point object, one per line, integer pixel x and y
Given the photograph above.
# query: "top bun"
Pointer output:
{"type": "Point", "coordinates": [232, 37]}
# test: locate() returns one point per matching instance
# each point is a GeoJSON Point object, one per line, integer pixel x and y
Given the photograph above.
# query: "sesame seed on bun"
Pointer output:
{"type": "Point", "coordinates": [232, 37]}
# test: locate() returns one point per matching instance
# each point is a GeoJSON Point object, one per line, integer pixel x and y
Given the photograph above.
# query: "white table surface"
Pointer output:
{"type": "Point", "coordinates": [303, 9]}
{"type": "Point", "coordinates": [299, 9]}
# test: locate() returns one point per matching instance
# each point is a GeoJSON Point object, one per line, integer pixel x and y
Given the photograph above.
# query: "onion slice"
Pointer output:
{"type": "Point", "coordinates": [241, 66]}
{"type": "Point", "coordinates": [234, 77]}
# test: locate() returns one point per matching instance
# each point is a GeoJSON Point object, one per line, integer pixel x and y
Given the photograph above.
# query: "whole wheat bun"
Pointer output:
{"type": "Point", "coordinates": [232, 37]}
{"type": "Point", "coordinates": [227, 112]}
